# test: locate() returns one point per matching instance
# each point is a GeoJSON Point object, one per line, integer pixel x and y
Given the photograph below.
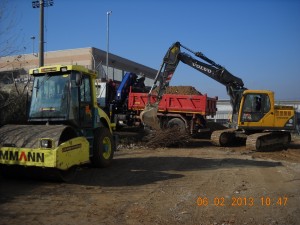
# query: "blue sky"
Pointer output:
{"type": "Point", "coordinates": [256, 40]}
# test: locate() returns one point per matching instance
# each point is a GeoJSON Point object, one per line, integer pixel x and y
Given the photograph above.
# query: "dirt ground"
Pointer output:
{"type": "Point", "coordinates": [195, 184]}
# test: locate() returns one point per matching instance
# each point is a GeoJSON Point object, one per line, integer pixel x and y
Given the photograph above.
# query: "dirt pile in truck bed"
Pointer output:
{"type": "Point", "coordinates": [182, 90]}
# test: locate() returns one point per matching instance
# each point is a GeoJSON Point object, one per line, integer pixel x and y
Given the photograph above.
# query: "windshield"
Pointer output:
{"type": "Point", "coordinates": [49, 96]}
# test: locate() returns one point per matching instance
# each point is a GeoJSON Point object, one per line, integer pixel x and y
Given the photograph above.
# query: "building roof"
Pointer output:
{"type": "Point", "coordinates": [90, 57]}
{"type": "Point", "coordinates": [123, 64]}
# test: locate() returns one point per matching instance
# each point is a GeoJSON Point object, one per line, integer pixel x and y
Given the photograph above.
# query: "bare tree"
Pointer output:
{"type": "Point", "coordinates": [10, 38]}
{"type": "Point", "coordinates": [13, 96]}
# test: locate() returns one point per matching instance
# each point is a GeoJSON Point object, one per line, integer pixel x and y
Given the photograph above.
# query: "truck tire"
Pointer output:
{"type": "Point", "coordinates": [103, 148]}
{"type": "Point", "coordinates": [177, 123]}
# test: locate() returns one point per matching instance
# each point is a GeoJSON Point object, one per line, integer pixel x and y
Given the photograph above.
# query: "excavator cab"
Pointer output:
{"type": "Point", "coordinates": [259, 112]}
{"type": "Point", "coordinates": [255, 107]}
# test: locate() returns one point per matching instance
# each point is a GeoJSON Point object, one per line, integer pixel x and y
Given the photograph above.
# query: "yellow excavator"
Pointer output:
{"type": "Point", "coordinates": [65, 129]}
{"type": "Point", "coordinates": [256, 120]}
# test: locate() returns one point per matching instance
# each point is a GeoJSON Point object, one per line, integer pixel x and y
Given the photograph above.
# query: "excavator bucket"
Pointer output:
{"type": "Point", "coordinates": [149, 116]}
{"type": "Point", "coordinates": [164, 75]}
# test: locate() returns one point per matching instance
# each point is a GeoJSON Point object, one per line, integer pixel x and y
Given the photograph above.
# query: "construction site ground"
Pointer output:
{"type": "Point", "coordinates": [196, 183]}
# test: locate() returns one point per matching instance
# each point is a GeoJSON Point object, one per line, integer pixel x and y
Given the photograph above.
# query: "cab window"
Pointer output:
{"type": "Point", "coordinates": [85, 90]}
{"type": "Point", "coordinates": [255, 107]}
{"type": "Point", "coordinates": [86, 112]}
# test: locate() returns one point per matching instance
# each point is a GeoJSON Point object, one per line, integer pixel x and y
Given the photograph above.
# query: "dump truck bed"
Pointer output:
{"type": "Point", "coordinates": [176, 103]}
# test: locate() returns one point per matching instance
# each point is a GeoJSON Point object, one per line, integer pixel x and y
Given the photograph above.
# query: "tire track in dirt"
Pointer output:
{"type": "Point", "coordinates": [161, 186]}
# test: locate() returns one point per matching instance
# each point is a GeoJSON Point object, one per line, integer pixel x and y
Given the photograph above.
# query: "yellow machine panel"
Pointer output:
{"type": "Point", "coordinates": [258, 111]}
{"type": "Point", "coordinates": [68, 154]}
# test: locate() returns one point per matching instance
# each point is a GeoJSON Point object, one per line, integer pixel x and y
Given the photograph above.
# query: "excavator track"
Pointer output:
{"type": "Point", "coordinates": [223, 137]}
{"type": "Point", "coordinates": [268, 141]}
{"type": "Point", "coordinates": [265, 141]}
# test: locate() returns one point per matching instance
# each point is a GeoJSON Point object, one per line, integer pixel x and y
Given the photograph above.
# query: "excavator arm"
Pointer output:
{"type": "Point", "coordinates": [234, 85]}
{"type": "Point", "coordinates": [162, 80]}
{"type": "Point", "coordinates": [166, 71]}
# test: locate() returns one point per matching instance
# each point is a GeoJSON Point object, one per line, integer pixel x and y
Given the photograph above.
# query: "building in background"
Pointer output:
{"type": "Point", "coordinates": [17, 67]}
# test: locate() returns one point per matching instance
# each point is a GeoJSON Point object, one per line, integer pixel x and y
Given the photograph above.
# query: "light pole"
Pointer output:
{"type": "Point", "coordinates": [41, 4]}
{"type": "Point", "coordinates": [108, 13]}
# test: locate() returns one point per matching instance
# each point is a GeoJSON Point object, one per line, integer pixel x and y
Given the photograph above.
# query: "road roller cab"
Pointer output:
{"type": "Point", "coordinates": [66, 127]}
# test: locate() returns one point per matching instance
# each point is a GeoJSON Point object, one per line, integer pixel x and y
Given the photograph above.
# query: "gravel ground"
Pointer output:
{"type": "Point", "coordinates": [194, 184]}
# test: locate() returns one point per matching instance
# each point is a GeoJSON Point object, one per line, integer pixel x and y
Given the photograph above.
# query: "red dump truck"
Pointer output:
{"type": "Point", "coordinates": [187, 112]}
{"type": "Point", "coordinates": [186, 109]}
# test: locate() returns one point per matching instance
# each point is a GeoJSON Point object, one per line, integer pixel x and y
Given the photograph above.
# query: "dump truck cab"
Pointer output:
{"type": "Point", "coordinates": [66, 128]}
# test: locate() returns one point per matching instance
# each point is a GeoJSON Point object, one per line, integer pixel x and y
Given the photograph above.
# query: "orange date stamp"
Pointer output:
{"type": "Point", "coordinates": [239, 201]}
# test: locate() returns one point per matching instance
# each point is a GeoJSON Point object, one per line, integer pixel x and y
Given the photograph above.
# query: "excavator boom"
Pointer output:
{"type": "Point", "coordinates": [255, 118]}
{"type": "Point", "coordinates": [163, 76]}
{"type": "Point", "coordinates": [234, 85]}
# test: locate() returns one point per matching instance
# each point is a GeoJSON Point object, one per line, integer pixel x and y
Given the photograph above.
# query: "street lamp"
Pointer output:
{"type": "Point", "coordinates": [41, 4]}
{"type": "Point", "coordinates": [108, 13]}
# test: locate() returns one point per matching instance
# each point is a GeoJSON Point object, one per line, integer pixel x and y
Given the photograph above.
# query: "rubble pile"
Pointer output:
{"type": "Point", "coordinates": [171, 137]}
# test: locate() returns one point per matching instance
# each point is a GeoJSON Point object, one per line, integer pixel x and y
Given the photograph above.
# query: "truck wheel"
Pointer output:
{"type": "Point", "coordinates": [103, 148]}
{"type": "Point", "coordinates": [177, 123]}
